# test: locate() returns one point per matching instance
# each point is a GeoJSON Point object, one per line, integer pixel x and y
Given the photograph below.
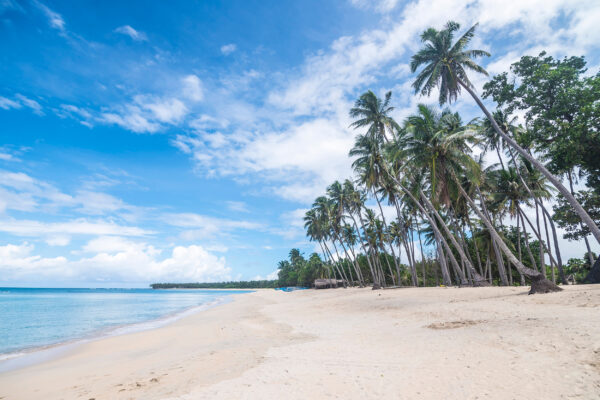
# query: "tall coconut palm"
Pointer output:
{"type": "Point", "coordinates": [444, 66]}
{"type": "Point", "coordinates": [438, 144]}
{"type": "Point", "coordinates": [355, 200]}
{"type": "Point", "coordinates": [338, 200]}
{"type": "Point", "coordinates": [369, 111]}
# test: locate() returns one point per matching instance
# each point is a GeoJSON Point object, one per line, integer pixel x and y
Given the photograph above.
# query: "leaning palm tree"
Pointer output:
{"type": "Point", "coordinates": [445, 65]}
{"type": "Point", "coordinates": [447, 148]}
{"type": "Point", "coordinates": [438, 143]}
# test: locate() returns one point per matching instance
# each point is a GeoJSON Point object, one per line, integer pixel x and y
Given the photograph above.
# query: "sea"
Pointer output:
{"type": "Point", "coordinates": [36, 319]}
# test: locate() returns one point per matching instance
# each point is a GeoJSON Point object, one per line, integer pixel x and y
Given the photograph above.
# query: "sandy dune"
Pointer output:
{"type": "Point", "coordinates": [434, 343]}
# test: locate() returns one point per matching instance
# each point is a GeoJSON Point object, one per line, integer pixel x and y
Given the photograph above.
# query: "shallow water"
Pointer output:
{"type": "Point", "coordinates": [32, 318]}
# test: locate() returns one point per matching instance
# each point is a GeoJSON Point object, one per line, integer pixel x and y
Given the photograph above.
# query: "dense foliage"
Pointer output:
{"type": "Point", "coordinates": [218, 285]}
{"type": "Point", "coordinates": [458, 220]}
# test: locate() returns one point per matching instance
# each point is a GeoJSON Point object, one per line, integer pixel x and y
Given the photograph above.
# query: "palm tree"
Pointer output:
{"type": "Point", "coordinates": [447, 148]}
{"type": "Point", "coordinates": [374, 114]}
{"type": "Point", "coordinates": [445, 65]}
{"type": "Point", "coordinates": [337, 198]}
{"type": "Point", "coordinates": [355, 201]}
{"type": "Point", "coordinates": [438, 144]}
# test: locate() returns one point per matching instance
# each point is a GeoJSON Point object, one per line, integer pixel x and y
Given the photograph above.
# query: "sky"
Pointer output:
{"type": "Point", "coordinates": [151, 141]}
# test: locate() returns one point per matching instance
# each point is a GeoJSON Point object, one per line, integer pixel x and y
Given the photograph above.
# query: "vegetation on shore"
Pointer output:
{"type": "Point", "coordinates": [458, 220]}
{"type": "Point", "coordinates": [264, 284]}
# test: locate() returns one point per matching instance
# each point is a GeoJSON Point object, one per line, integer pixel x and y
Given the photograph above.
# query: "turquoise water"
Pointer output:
{"type": "Point", "coordinates": [31, 318]}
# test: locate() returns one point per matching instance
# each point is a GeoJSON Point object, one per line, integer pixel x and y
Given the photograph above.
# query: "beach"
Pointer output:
{"type": "Point", "coordinates": [412, 343]}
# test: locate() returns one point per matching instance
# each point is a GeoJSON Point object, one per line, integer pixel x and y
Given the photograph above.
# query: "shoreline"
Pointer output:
{"type": "Point", "coordinates": [422, 343]}
{"type": "Point", "coordinates": [29, 356]}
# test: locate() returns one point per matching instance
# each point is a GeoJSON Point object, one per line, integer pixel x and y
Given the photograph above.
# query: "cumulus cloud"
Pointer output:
{"type": "Point", "coordinates": [136, 35]}
{"type": "Point", "coordinates": [114, 259]}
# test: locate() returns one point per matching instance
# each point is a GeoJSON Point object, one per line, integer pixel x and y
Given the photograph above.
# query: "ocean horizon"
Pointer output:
{"type": "Point", "coordinates": [37, 318]}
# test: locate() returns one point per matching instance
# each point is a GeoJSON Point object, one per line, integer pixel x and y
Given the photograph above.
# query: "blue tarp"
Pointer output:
{"type": "Point", "coordinates": [291, 288]}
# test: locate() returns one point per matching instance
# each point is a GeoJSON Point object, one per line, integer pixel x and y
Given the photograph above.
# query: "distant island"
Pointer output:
{"type": "Point", "coordinates": [219, 285]}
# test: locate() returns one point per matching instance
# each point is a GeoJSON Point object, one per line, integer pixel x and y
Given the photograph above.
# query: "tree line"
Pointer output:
{"type": "Point", "coordinates": [262, 284]}
{"type": "Point", "coordinates": [458, 220]}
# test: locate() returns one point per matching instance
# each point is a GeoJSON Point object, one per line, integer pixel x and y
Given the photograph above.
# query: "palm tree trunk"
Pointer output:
{"type": "Point", "coordinates": [531, 257]}
{"type": "Point", "coordinates": [555, 181]}
{"type": "Point", "coordinates": [478, 279]}
{"type": "Point", "coordinates": [537, 235]}
{"type": "Point", "coordinates": [585, 239]}
{"type": "Point", "coordinates": [349, 258]}
{"type": "Point", "coordinates": [442, 259]}
{"type": "Point", "coordinates": [376, 281]}
{"type": "Point", "coordinates": [386, 228]}
{"type": "Point", "coordinates": [429, 218]}
{"type": "Point", "coordinates": [363, 247]}
{"type": "Point", "coordinates": [336, 264]}
{"type": "Point", "coordinates": [475, 244]}
{"type": "Point", "coordinates": [326, 256]}
{"type": "Point", "coordinates": [497, 252]}
{"type": "Point", "coordinates": [341, 264]}
{"type": "Point", "coordinates": [542, 246]}
{"type": "Point", "coordinates": [538, 283]}
{"type": "Point", "coordinates": [410, 262]}
{"type": "Point", "coordinates": [353, 261]}
{"type": "Point", "coordinates": [549, 247]}
{"type": "Point", "coordinates": [546, 213]}
{"type": "Point", "coordinates": [561, 272]}
{"type": "Point", "coordinates": [422, 253]}
{"type": "Point", "coordinates": [359, 276]}
{"type": "Point", "coordinates": [522, 278]}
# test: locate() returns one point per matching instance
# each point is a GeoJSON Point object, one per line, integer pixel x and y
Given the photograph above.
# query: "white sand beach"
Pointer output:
{"type": "Point", "coordinates": [432, 343]}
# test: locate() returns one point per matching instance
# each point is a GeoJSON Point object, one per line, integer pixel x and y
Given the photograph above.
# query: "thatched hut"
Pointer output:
{"type": "Point", "coordinates": [328, 283]}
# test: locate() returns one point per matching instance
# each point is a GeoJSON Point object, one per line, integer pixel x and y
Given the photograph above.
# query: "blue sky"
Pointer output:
{"type": "Point", "coordinates": [183, 140]}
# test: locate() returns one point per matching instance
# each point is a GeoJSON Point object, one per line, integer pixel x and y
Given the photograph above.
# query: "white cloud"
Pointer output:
{"type": "Point", "coordinates": [292, 224]}
{"type": "Point", "coordinates": [192, 88]}
{"type": "Point", "coordinates": [129, 117]}
{"type": "Point", "coordinates": [79, 226]}
{"type": "Point", "coordinates": [58, 240]}
{"type": "Point", "coordinates": [18, 102]}
{"type": "Point", "coordinates": [136, 35]}
{"type": "Point", "coordinates": [55, 20]}
{"type": "Point", "coordinates": [7, 104]}
{"type": "Point", "coordinates": [27, 102]}
{"type": "Point", "coordinates": [202, 226]}
{"type": "Point", "coordinates": [21, 192]}
{"type": "Point", "coordinates": [238, 206]}
{"type": "Point", "coordinates": [381, 6]}
{"type": "Point", "coordinates": [17, 262]}
{"type": "Point", "coordinates": [170, 110]}
{"type": "Point", "coordinates": [146, 113]}
{"type": "Point", "coordinates": [228, 49]}
{"type": "Point", "coordinates": [272, 276]}
{"type": "Point", "coordinates": [114, 260]}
